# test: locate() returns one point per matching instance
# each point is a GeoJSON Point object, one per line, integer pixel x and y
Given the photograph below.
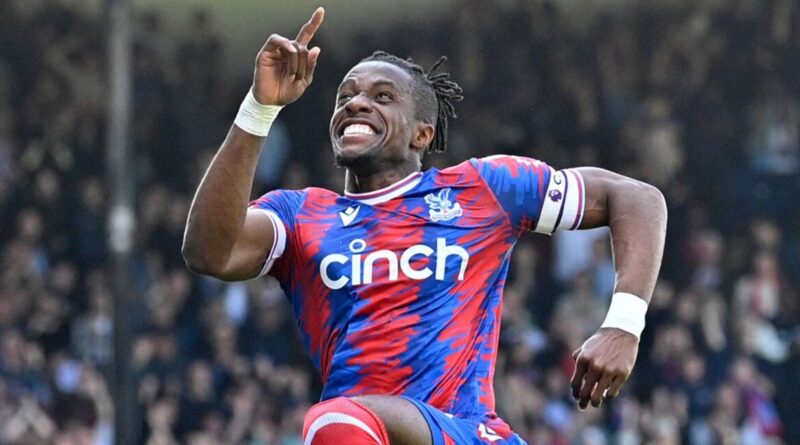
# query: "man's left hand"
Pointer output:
{"type": "Point", "coordinates": [603, 364]}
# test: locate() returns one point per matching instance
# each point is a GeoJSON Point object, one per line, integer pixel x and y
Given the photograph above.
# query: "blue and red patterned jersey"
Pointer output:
{"type": "Point", "coordinates": [398, 291]}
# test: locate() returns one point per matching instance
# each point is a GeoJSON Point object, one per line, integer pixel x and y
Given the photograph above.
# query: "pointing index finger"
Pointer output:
{"type": "Point", "coordinates": [310, 28]}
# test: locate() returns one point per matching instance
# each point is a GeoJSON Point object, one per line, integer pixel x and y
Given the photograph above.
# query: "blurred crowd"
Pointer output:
{"type": "Point", "coordinates": [701, 99]}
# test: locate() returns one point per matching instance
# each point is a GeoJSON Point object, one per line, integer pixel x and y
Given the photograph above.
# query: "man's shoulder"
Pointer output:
{"type": "Point", "coordinates": [508, 161]}
{"type": "Point", "coordinates": [294, 199]}
{"type": "Point", "coordinates": [318, 193]}
{"type": "Point", "coordinates": [302, 194]}
{"type": "Point", "coordinates": [490, 166]}
{"type": "Point", "coordinates": [464, 169]}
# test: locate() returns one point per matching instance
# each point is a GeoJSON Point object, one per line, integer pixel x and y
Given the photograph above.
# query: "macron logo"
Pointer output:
{"type": "Point", "coordinates": [488, 433]}
{"type": "Point", "coordinates": [348, 215]}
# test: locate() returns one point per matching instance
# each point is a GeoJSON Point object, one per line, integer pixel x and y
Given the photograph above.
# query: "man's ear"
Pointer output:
{"type": "Point", "coordinates": [423, 135]}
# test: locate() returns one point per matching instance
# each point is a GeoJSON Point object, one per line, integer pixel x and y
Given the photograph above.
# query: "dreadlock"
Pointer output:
{"type": "Point", "coordinates": [434, 94]}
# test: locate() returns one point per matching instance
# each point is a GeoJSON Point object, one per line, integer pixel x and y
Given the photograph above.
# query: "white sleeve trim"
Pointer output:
{"type": "Point", "coordinates": [564, 202]}
{"type": "Point", "coordinates": [278, 240]}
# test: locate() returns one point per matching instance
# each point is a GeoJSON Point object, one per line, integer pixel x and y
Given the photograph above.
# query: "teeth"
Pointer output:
{"type": "Point", "coordinates": [358, 129]}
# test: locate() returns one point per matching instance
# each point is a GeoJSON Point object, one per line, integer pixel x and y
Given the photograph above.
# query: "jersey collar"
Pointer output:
{"type": "Point", "coordinates": [389, 192]}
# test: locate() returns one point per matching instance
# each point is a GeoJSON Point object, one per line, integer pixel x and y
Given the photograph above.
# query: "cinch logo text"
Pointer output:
{"type": "Point", "coordinates": [362, 265]}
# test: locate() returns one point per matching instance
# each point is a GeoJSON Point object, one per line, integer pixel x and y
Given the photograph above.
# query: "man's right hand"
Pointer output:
{"type": "Point", "coordinates": [223, 239]}
{"type": "Point", "coordinates": [285, 68]}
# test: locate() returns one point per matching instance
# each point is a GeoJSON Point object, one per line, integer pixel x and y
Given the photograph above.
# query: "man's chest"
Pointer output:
{"type": "Point", "coordinates": [435, 236]}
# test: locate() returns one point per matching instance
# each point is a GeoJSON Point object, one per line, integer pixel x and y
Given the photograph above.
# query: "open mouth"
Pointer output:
{"type": "Point", "coordinates": [357, 132]}
{"type": "Point", "coordinates": [356, 129]}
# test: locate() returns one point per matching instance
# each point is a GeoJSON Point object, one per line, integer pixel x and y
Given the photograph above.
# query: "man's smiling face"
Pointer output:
{"type": "Point", "coordinates": [373, 122]}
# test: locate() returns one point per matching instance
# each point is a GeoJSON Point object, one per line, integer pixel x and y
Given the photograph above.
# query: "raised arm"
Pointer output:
{"type": "Point", "coordinates": [636, 213]}
{"type": "Point", "coordinates": [222, 238]}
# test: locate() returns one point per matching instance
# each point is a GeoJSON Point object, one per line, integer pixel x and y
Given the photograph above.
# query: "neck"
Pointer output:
{"type": "Point", "coordinates": [368, 182]}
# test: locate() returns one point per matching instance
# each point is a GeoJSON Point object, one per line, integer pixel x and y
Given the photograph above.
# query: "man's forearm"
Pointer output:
{"type": "Point", "coordinates": [220, 205]}
{"type": "Point", "coordinates": [637, 217]}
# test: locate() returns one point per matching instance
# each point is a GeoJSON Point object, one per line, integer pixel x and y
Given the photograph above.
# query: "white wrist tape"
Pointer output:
{"type": "Point", "coordinates": [627, 313]}
{"type": "Point", "coordinates": [255, 118]}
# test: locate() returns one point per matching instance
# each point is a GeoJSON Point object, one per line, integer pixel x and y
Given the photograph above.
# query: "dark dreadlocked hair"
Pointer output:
{"type": "Point", "coordinates": [434, 94]}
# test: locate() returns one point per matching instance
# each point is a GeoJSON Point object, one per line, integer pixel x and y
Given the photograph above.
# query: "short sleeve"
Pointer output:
{"type": "Point", "coordinates": [280, 207]}
{"type": "Point", "coordinates": [534, 196]}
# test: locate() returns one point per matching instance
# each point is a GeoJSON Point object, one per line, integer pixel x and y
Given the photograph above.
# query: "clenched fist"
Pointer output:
{"type": "Point", "coordinates": [603, 364]}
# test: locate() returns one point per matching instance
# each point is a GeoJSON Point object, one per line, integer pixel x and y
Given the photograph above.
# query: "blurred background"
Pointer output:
{"type": "Point", "coordinates": [701, 98]}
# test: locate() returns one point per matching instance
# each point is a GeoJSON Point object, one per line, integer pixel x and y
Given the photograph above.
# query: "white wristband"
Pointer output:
{"type": "Point", "coordinates": [626, 313]}
{"type": "Point", "coordinates": [255, 118]}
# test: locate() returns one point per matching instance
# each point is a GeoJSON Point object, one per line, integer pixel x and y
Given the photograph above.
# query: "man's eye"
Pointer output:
{"type": "Point", "coordinates": [384, 96]}
{"type": "Point", "coordinates": [343, 98]}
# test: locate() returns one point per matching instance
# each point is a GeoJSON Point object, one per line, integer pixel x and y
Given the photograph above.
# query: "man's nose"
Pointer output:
{"type": "Point", "coordinates": [358, 103]}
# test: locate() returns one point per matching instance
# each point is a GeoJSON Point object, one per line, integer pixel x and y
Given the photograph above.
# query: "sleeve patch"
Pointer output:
{"type": "Point", "coordinates": [564, 202]}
